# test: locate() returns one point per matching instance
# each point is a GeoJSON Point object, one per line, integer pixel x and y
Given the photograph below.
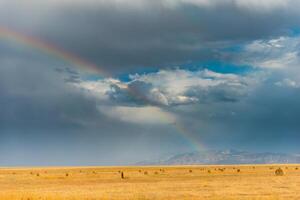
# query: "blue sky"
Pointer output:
{"type": "Point", "coordinates": [181, 76]}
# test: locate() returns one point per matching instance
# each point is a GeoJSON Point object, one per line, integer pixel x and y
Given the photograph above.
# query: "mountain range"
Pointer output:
{"type": "Point", "coordinates": [225, 157]}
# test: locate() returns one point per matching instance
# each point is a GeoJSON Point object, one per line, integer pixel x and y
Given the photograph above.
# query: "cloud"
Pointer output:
{"type": "Point", "coordinates": [138, 115]}
{"type": "Point", "coordinates": [43, 97]}
{"type": "Point", "coordinates": [174, 87]}
{"type": "Point", "coordinates": [276, 53]}
{"type": "Point", "coordinates": [255, 5]}
{"type": "Point", "coordinates": [277, 57]}
{"type": "Point", "coordinates": [149, 33]}
{"type": "Point", "coordinates": [146, 92]}
{"type": "Point", "coordinates": [35, 96]}
{"type": "Point", "coordinates": [288, 83]}
{"type": "Point", "coordinates": [43, 116]}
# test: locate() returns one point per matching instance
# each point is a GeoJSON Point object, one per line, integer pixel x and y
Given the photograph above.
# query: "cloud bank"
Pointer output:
{"type": "Point", "coordinates": [227, 71]}
{"type": "Point", "coordinates": [150, 33]}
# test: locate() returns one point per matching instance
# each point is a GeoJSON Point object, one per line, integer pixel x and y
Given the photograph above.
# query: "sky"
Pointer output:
{"type": "Point", "coordinates": [94, 82]}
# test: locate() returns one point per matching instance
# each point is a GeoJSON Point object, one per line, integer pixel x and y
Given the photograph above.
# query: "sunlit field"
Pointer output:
{"type": "Point", "coordinates": [160, 182]}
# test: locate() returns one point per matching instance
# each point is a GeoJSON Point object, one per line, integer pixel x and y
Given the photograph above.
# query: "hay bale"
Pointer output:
{"type": "Point", "coordinates": [279, 172]}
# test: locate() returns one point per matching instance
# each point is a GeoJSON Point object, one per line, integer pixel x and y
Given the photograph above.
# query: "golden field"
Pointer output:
{"type": "Point", "coordinates": [158, 183]}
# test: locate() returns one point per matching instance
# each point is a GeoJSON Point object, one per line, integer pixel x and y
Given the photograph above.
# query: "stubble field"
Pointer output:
{"type": "Point", "coordinates": [157, 183]}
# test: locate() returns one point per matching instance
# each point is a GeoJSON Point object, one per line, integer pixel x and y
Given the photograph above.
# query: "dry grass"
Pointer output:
{"type": "Point", "coordinates": [159, 183]}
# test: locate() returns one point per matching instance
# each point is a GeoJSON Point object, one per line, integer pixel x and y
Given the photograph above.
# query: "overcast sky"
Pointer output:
{"type": "Point", "coordinates": [180, 76]}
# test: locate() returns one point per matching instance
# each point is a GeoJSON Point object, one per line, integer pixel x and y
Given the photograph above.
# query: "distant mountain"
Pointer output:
{"type": "Point", "coordinates": [225, 157]}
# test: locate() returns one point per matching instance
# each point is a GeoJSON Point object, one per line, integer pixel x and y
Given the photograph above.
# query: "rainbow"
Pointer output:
{"type": "Point", "coordinates": [188, 136]}
{"type": "Point", "coordinates": [181, 130]}
{"type": "Point", "coordinates": [50, 49]}
{"type": "Point", "coordinates": [87, 67]}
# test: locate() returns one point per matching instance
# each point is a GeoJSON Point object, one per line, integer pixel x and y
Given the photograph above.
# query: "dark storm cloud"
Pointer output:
{"type": "Point", "coordinates": [42, 116]}
{"type": "Point", "coordinates": [266, 120]}
{"type": "Point", "coordinates": [121, 35]}
{"type": "Point", "coordinates": [44, 121]}
{"type": "Point", "coordinates": [35, 96]}
{"type": "Point", "coordinates": [161, 36]}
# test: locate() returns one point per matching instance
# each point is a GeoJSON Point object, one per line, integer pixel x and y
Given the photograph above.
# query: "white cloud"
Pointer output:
{"type": "Point", "coordinates": [278, 53]}
{"type": "Point", "coordinates": [279, 57]}
{"type": "Point", "coordinates": [288, 83]}
{"type": "Point", "coordinates": [138, 115]}
{"type": "Point", "coordinates": [187, 87]}
{"type": "Point", "coordinates": [263, 5]}
{"type": "Point", "coordinates": [253, 5]}
{"type": "Point", "coordinates": [97, 89]}
{"type": "Point", "coordinates": [287, 59]}
{"type": "Point", "coordinates": [170, 88]}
